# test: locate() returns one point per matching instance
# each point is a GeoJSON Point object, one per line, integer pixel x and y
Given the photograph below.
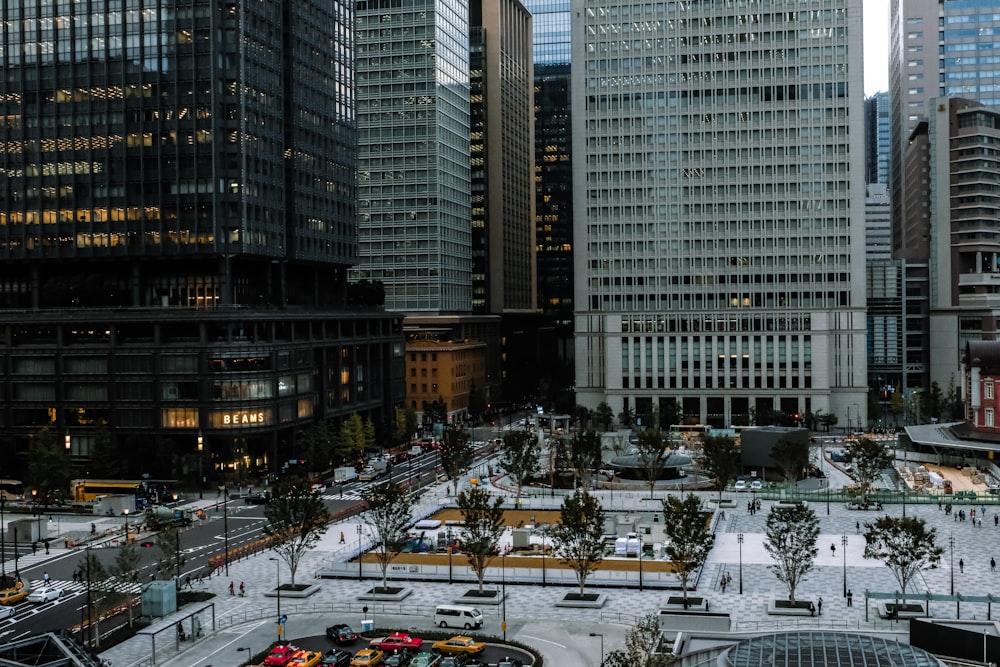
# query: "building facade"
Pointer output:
{"type": "Point", "coordinates": [447, 371]}
{"type": "Point", "coordinates": [719, 236]}
{"type": "Point", "coordinates": [877, 138]}
{"type": "Point", "coordinates": [503, 180]}
{"type": "Point", "coordinates": [413, 153]}
{"type": "Point", "coordinates": [180, 179]}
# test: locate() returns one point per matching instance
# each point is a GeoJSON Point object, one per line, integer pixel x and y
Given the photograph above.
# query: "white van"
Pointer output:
{"type": "Point", "coordinates": [457, 616]}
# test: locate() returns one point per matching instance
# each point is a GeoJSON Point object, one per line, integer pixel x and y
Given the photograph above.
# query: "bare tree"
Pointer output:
{"type": "Point", "coordinates": [482, 526]}
{"type": "Point", "coordinates": [296, 519]}
{"type": "Point", "coordinates": [389, 515]}
{"type": "Point", "coordinates": [579, 536]}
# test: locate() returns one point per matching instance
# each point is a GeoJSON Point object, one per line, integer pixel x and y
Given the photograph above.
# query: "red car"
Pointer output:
{"type": "Point", "coordinates": [280, 656]}
{"type": "Point", "coordinates": [397, 641]}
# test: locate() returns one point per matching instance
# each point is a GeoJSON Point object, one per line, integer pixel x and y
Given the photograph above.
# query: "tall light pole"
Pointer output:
{"type": "Point", "coordinates": [843, 543]}
{"type": "Point", "coordinates": [249, 655]}
{"type": "Point", "coordinates": [90, 606]}
{"type": "Point", "coordinates": [225, 524]}
{"type": "Point", "coordinates": [739, 540]}
{"type": "Point", "coordinates": [201, 480]}
{"type": "Point", "coordinates": [277, 570]}
{"type": "Point", "coordinates": [598, 634]}
{"type": "Point", "coordinates": [951, 547]}
{"type": "Point", "coordinates": [125, 511]}
{"type": "Point", "coordinates": [361, 553]}
{"type": "Point", "coordinates": [503, 595]}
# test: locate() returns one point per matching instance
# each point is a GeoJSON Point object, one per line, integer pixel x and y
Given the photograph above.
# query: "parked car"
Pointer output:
{"type": "Point", "coordinates": [397, 641]}
{"type": "Point", "coordinates": [13, 595]}
{"type": "Point", "coordinates": [398, 659]}
{"type": "Point", "coordinates": [740, 485]}
{"type": "Point", "coordinates": [367, 657]}
{"type": "Point", "coordinates": [756, 485]}
{"type": "Point", "coordinates": [45, 594]}
{"type": "Point", "coordinates": [336, 658]}
{"type": "Point", "coordinates": [6, 612]}
{"type": "Point", "coordinates": [341, 633]}
{"type": "Point", "coordinates": [459, 644]}
{"type": "Point", "coordinates": [280, 656]}
{"type": "Point", "coordinates": [305, 659]}
{"type": "Point", "coordinates": [425, 659]}
{"type": "Point", "coordinates": [456, 660]}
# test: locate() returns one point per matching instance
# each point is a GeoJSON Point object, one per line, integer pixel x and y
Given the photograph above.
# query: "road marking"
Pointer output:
{"type": "Point", "coordinates": [227, 644]}
{"type": "Point", "coordinates": [543, 640]}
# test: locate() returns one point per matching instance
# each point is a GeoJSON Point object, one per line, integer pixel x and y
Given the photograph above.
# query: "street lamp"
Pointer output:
{"type": "Point", "coordinates": [951, 547]}
{"type": "Point", "coordinates": [249, 655]}
{"type": "Point", "coordinates": [277, 570]}
{"type": "Point", "coordinates": [3, 545]}
{"type": "Point", "coordinates": [843, 543]}
{"type": "Point", "coordinates": [201, 480]}
{"type": "Point", "coordinates": [360, 552]}
{"type": "Point", "coordinates": [598, 634]}
{"type": "Point", "coordinates": [225, 524]}
{"type": "Point", "coordinates": [503, 595]}
{"type": "Point", "coordinates": [126, 523]}
{"type": "Point", "coordinates": [739, 540]}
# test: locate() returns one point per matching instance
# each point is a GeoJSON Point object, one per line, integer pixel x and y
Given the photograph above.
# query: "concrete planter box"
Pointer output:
{"type": "Point", "coordinates": [675, 603]}
{"type": "Point", "coordinates": [596, 603]}
{"type": "Point", "coordinates": [774, 610]}
{"type": "Point", "coordinates": [474, 600]}
{"type": "Point", "coordinates": [725, 502]}
{"type": "Point", "coordinates": [304, 593]}
{"type": "Point", "coordinates": [400, 594]}
{"type": "Point", "coordinates": [912, 610]}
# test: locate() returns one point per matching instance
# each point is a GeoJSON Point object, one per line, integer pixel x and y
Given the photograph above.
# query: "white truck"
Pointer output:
{"type": "Point", "coordinates": [345, 474]}
{"type": "Point", "coordinates": [374, 470]}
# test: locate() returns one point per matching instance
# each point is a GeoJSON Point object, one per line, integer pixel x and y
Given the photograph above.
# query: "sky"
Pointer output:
{"type": "Point", "coordinates": [876, 23]}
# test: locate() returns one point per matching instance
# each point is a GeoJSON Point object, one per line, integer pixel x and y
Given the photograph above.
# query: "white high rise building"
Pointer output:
{"type": "Point", "coordinates": [720, 208]}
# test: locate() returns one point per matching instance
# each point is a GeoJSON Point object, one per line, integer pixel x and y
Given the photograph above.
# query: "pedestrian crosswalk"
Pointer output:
{"type": "Point", "coordinates": [347, 495]}
{"type": "Point", "coordinates": [71, 588]}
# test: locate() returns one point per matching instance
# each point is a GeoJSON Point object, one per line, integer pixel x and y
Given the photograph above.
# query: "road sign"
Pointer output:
{"type": "Point", "coordinates": [283, 620]}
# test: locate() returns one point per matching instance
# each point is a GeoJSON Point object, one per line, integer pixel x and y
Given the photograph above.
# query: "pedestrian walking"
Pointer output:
{"type": "Point", "coordinates": [243, 589]}
{"type": "Point", "coordinates": [341, 537]}
{"type": "Point", "coordinates": [819, 606]}
{"type": "Point", "coordinates": [187, 581]}
{"type": "Point", "coordinates": [996, 519]}
{"type": "Point", "coordinates": [833, 549]}
{"type": "Point", "coordinates": [722, 584]}
{"type": "Point", "coordinates": [812, 608]}
{"type": "Point", "coordinates": [850, 598]}
{"type": "Point", "coordinates": [993, 564]}
{"type": "Point", "coordinates": [46, 577]}
{"type": "Point", "coordinates": [232, 588]}
{"type": "Point", "coordinates": [961, 566]}
{"type": "Point", "coordinates": [857, 527]}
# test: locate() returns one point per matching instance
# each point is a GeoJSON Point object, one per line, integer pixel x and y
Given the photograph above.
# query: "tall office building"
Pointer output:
{"type": "Point", "coordinates": [177, 216]}
{"type": "Point", "coordinates": [877, 138]}
{"type": "Point", "coordinates": [503, 186]}
{"type": "Point", "coordinates": [946, 48]}
{"type": "Point", "coordinates": [719, 212]}
{"type": "Point", "coordinates": [413, 153]}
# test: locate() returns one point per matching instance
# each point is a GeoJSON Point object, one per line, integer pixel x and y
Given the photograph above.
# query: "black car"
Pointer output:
{"type": "Point", "coordinates": [456, 660]}
{"type": "Point", "coordinates": [397, 659]}
{"type": "Point", "coordinates": [257, 499]}
{"type": "Point", "coordinates": [337, 658]}
{"type": "Point", "coordinates": [341, 634]}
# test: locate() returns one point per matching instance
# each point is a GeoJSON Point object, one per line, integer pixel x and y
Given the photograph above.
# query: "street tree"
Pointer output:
{"type": "Point", "coordinates": [314, 445]}
{"type": "Point", "coordinates": [651, 455]}
{"type": "Point", "coordinates": [583, 453]}
{"type": "Point", "coordinates": [171, 558]}
{"type": "Point", "coordinates": [578, 538]}
{"type": "Point", "coordinates": [126, 572]}
{"type": "Point", "coordinates": [905, 545]}
{"type": "Point", "coordinates": [688, 541]}
{"type": "Point", "coordinates": [626, 417]}
{"type": "Point", "coordinates": [406, 424]}
{"type": "Point", "coordinates": [642, 646]}
{"type": "Point", "coordinates": [99, 585]}
{"type": "Point", "coordinates": [106, 460]}
{"type": "Point", "coordinates": [791, 537]}
{"type": "Point", "coordinates": [352, 440]}
{"type": "Point", "coordinates": [868, 457]}
{"type": "Point", "coordinates": [482, 526]}
{"type": "Point", "coordinates": [719, 459]}
{"type": "Point", "coordinates": [791, 456]}
{"type": "Point", "coordinates": [604, 415]}
{"type": "Point", "coordinates": [828, 421]}
{"type": "Point", "coordinates": [456, 455]}
{"type": "Point", "coordinates": [519, 457]}
{"type": "Point", "coordinates": [388, 513]}
{"type": "Point", "coordinates": [296, 519]}
{"type": "Point", "coordinates": [48, 469]}
{"type": "Point", "coordinates": [436, 412]}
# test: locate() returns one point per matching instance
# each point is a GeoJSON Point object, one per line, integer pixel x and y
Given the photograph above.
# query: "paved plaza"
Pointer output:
{"type": "Point", "coordinates": [560, 632]}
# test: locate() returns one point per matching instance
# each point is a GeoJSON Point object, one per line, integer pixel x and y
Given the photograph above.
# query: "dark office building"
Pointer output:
{"type": "Point", "coordinates": [177, 217]}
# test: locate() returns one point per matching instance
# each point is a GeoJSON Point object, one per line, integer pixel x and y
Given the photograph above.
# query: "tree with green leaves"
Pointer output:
{"type": "Point", "coordinates": [388, 513]}
{"type": "Point", "coordinates": [827, 421]}
{"type": "Point", "coordinates": [651, 453]}
{"type": "Point", "coordinates": [626, 417]}
{"type": "Point", "coordinates": [719, 460]}
{"type": "Point", "coordinates": [482, 526]}
{"type": "Point", "coordinates": [106, 461]}
{"type": "Point", "coordinates": [436, 412]}
{"type": "Point", "coordinates": [578, 538]}
{"type": "Point", "coordinates": [126, 571]}
{"type": "Point", "coordinates": [905, 544]}
{"type": "Point", "coordinates": [315, 446]}
{"type": "Point", "coordinates": [791, 537]}
{"type": "Point", "coordinates": [48, 471]}
{"type": "Point", "coordinates": [456, 455]}
{"type": "Point", "coordinates": [642, 646]}
{"type": "Point", "coordinates": [91, 571]}
{"type": "Point", "coordinates": [171, 558]}
{"type": "Point", "coordinates": [519, 457]}
{"type": "Point", "coordinates": [296, 519]}
{"type": "Point", "coordinates": [604, 415]}
{"type": "Point", "coordinates": [792, 457]}
{"type": "Point", "coordinates": [897, 404]}
{"type": "Point", "coordinates": [689, 542]}
{"type": "Point", "coordinates": [405, 424]}
{"type": "Point", "coordinates": [868, 458]}
{"type": "Point", "coordinates": [583, 454]}
{"type": "Point", "coordinates": [477, 403]}
{"type": "Point", "coordinates": [352, 440]}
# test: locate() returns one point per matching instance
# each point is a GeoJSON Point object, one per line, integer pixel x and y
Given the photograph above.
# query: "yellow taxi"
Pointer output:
{"type": "Point", "coordinates": [367, 657]}
{"type": "Point", "coordinates": [305, 659]}
{"type": "Point", "coordinates": [13, 595]}
{"type": "Point", "coordinates": [459, 644]}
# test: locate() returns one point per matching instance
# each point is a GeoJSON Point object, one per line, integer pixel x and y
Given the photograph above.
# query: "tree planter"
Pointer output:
{"type": "Point", "coordinates": [474, 597]}
{"type": "Point", "coordinates": [783, 607]}
{"type": "Point", "coordinates": [585, 601]}
{"type": "Point", "coordinates": [389, 594]}
{"type": "Point", "coordinates": [293, 591]}
{"type": "Point", "coordinates": [725, 502]}
{"type": "Point", "coordinates": [887, 609]}
{"type": "Point", "coordinates": [676, 603]}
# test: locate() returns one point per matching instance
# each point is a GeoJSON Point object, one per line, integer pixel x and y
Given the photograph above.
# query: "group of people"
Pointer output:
{"type": "Point", "coordinates": [232, 589]}
{"type": "Point", "coordinates": [725, 581]}
{"type": "Point", "coordinates": [753, 506]}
